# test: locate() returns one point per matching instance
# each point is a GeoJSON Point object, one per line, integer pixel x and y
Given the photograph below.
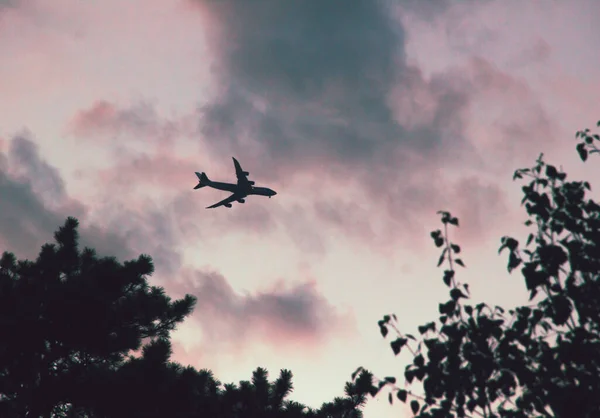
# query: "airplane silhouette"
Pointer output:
{"type": "Point", "coordinates": [240, 191]}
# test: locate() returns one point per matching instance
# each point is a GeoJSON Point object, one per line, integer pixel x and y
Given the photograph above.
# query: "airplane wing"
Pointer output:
{"type": "Point", "coordinates": [242, 176]}
{"type": "Point", "coordinates": [225, 202]}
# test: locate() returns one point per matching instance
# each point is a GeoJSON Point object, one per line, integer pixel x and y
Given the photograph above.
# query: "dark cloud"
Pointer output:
{"type": "Point", "coordinates": [311, 78]}
{"type": "Point", "coordinates": [324, 87]}
{"type": "Point", "coordinates": [25, 224]}
{"type": "Point", "coordinates": [27, 220]}
{"type": "Point", "coordinates": [294, 315]}
{"type": "Point", "coordinates": [8, 3]}
{"type": "Point", "coordinates": [27, 164]}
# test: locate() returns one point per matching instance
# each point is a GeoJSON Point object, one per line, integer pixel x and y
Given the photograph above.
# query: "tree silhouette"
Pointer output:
{"type": "Point", "coordinates": [70, 315]}
{"type": "Point", "coordinates": [83, 336]}
{"type": "Point", "coordinates": [540, 360]}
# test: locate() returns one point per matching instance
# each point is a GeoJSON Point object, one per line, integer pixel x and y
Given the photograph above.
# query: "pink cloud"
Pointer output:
{"type": "Point", "coordinates": [104, 119]}
{"type": "Point", "coordinates": [293, 317]}
{"type": "Point", "coordinates": [98, 117]}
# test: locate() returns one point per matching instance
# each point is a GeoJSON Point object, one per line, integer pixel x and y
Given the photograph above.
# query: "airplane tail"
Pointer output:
{"type": "Point", "coordinates": [202, 180]}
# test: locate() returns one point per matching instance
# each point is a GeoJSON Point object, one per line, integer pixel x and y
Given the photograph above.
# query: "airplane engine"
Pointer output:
{"type": "Point", "coordinates": [241, 200]}
{"type": "Point", "coordinates": [227, 205]}
{"type": "Point", "coordinates": [246, 173]}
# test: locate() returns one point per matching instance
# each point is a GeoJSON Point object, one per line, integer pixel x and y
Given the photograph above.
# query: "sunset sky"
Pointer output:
{"type": "Point", "coordinates": [365, 116]}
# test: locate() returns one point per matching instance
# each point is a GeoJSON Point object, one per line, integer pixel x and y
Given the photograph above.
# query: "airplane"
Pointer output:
{"type": "Point", "coordinates": [240, 191]}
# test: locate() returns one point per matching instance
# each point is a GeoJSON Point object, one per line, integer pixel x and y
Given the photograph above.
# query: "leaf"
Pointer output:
{"type": "Point", "coordinates": [397, 345]}
{"type": "Point", "coordinates": [513, 261]}
{"type": "Point", "coordinates": [455, 248]}
{"type": "Point", "coordinates": [529, 239]}
{"type": "Point", "coordinates": [390, 379]}
{"type": "Point", "coordinates": [469, 310]}
{"type": "Point", "coordinates": [448, 275]}
{"type": "Point", "coordinates": [459, 262]}
{"type": "Point", "coordinates": [390, 398]}
{"type": "Point", "coordinates": [414, 406]}
{"type": "Point", "coordinates": [441, 260]}
{"type": "Point", "coordinates": [454, 221]}
{"type": "Point", "coordinates": [471, 404]}
{"type": "Point", "coordinates": [551, 172]}
{"type": "Point", "coordinates": [582, 151]}
{"type": "Point", "coordinates": [384, 331]}
{"type": "Point", "coordinates": [508, 242]}
{"type": "Point", "coordinates": [411, 337]}
{"type": "Point", "coordinates": [456, 294]}
{"type": "Point", "coordinates": [562, 309]}
{"type": "Point", "coordinates": [598, 124]}
{"type": "Point", "coordinates": [439, 241]}
{"type": "Point", "coordinates": [419, 361]}
{"type": "Point", "coordinates": [447, 308]}
{"type": "Point", "coordinates": [401, 395]}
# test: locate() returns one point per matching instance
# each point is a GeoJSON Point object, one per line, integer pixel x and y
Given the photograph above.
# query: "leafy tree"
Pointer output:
{"type": "Point", "coordinates": [540, 360]}
{"type": "Point", "coordinates": [69, 313]}
{"type": "Point", "coordinates": [86, 336]}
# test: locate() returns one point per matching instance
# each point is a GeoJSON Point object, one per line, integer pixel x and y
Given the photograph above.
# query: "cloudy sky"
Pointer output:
{"type": "Point", "coordinates": [366, 116]}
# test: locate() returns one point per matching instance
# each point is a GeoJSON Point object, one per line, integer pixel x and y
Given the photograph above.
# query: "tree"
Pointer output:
{"type": "Point", "coordinates": [154, 387]}
{"type": "Point", "coordinates": [86, 336]}
{"type": "Point", "coordinates": [70, 314]}
{"type": "Point", "coordinates": [540, 360]}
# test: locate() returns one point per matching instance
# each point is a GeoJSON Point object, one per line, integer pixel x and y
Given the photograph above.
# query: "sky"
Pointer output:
{"type": "Point", "coordinates": [367, 117]}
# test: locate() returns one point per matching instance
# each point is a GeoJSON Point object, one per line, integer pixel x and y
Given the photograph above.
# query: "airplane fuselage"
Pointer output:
{"type": "Point", "coordinates": [240, 191]}
{"type": "Point", "coordinates": [227, 187]}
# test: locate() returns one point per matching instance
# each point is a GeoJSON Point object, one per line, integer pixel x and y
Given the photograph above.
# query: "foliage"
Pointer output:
{"type": "Point", "coordinates": [154, 387]}
{"type": "Point", "coordinates": [70, 312]}
{"type": "Point", "coordinates": [588, 144]}
{"type": "Point", "coordinates": [540, 360]}
{"type": "Point", "coordinates": [71, 328]}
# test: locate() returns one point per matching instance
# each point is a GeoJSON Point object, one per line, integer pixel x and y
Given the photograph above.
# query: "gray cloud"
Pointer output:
{"type": "Point", "coordinates": [310, 78]}
{"type": "Point", "coordinates": [26, 163]}
{"type": "Point", "coordinates": [7, 3]}
{"type": "Point", "coordinates": [27, 185]}
{"type": "Point", "coordinates": [25, 223]}
{"type": "Point", "coordinates": [316, 86]}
